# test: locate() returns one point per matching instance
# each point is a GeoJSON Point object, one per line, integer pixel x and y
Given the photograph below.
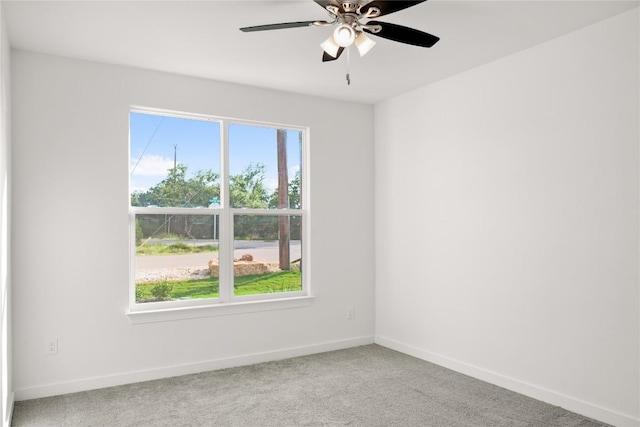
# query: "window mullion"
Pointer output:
{"type": "Point", "coordinates": [132, 259]}
{"type": "Point", "coordinates": [225, 283]}
{"type": "Point", "coordinates": [225, 257]}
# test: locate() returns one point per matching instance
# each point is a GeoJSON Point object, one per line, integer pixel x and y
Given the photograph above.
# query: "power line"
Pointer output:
{"type": "Point", "coordinates": [147, 146]}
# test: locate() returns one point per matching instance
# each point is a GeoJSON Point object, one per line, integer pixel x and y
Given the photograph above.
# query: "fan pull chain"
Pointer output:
{"type": "Point", "coordinates": [348, 66]}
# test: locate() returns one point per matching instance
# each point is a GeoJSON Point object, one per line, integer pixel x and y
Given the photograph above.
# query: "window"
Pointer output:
{"type": "Point", "coordinates": [217, 211]}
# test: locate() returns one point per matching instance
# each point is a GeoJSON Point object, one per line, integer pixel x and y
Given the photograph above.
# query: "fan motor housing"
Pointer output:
{"type": "Point", "coordinates": [349, 6]}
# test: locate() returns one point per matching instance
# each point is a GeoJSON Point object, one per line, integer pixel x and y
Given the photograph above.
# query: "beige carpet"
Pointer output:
{"type": "Point", "coordinates": [363, 386]}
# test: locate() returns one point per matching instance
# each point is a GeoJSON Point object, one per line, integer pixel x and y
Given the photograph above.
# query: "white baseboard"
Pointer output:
{"type": "Point", "coordinates": [190, 368]}
{"type": "Point", "coordinates": [549, 396]}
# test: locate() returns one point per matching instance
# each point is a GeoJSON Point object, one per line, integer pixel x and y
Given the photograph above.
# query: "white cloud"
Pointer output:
{"type": "Point", "coordinates": [293, 170]}
{"type": "Point", "coordinates": [152, 165]}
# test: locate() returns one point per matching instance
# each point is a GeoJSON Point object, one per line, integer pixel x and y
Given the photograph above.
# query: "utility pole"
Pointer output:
{"type": "Point", "coordinates": [283, 201]}
{"type": "Point", "coordinates": [175, 157]}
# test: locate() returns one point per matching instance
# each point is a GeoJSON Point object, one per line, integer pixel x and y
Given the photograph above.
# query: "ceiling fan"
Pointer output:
{"type": "Point", "coordinates": [347, 16]}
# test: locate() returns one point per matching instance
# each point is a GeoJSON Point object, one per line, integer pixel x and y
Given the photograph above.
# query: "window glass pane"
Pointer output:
{"type": "Point", "coordinates": [263, 163]}
{"type": "Point", "coordinates": [176, 257]}
{"type": "Point", "coordinates": [174, 162]}
{"type": "Point", "coordinates": [267, 254]}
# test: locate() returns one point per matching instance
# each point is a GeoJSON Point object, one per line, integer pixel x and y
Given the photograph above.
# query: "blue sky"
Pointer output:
{"type": "Point", "coordinates": [197, 144]}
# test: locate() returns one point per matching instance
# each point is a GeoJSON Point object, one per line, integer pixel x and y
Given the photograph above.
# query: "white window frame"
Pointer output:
{"type": "Point", "coordinates": [227, 302]}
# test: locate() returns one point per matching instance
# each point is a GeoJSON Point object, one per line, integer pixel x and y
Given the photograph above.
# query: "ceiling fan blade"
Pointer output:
{"type": "Point", "coordinates": [402, 34]}
{"type": "Point", "coordinates": [325, 3]}
{"type": "Point", "coordinates": [387, 7]}
{"type": "Point", "coordinates": [326, 57]}
{"type": "Point", "coordinates": [282, 26]}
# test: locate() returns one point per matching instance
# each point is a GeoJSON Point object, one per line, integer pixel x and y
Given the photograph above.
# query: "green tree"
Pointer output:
{"type": "Point", "coordinates": [247, 190]}
{"type": "Point", "coordinates": [177, 191]}
{"type": "Point", "coordinates": [294, 194]}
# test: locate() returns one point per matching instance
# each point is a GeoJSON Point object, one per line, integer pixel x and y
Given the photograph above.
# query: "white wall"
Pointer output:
{"type": "Point", "coordinates": [6, 393]}
{"type": "Point", "coordinates": [70, 235]}
{"type": "Point", "coordinates": [507, 209]}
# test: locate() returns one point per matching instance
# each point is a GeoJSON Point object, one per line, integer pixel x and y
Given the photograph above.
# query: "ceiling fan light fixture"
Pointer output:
{"type": "Point", "coordinates": [330, 46]}
{"type": "Point", "coordinates": [347, 28]}
{"type": "Point", "coordinates": [364, 44]}
{"type": "Point", "coordinates": [344, 35]}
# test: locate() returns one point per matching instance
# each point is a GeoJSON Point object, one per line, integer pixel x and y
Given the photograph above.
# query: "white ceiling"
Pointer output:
{"type": "Point", "coordinates": [201, 38]}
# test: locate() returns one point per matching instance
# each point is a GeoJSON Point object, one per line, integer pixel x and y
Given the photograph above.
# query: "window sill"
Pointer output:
{"type": "Point", "coordinates": [194, 312]}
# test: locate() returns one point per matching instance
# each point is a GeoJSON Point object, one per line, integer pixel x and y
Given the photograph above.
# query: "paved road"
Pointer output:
{"type": "Point", "coordinates": [261, 251]}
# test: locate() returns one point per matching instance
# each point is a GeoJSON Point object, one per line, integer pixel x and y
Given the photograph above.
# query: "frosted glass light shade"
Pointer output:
{"type": "Point", "coordinates": [364, 44]}
{"type": "Point", "coordinates": [344, 35]}
{"type": "Point", "coordinates": [330, 46]}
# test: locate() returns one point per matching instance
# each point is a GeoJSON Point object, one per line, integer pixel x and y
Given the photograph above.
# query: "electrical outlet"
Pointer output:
{"type": "Point", "coordinates": [351, 313]}
{"type": "Point", "coordinates": [52, 345]}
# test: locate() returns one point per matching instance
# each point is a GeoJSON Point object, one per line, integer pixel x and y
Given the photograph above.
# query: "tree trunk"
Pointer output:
{"type": "Point", "coordinates": [283, 201]}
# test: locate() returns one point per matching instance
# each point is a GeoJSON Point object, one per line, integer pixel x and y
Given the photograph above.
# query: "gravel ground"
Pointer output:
{"type": "Point", "coordinates": [172, 274]}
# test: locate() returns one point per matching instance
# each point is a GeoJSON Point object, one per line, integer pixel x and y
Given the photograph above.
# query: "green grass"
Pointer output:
{"type": "Point", "coordinates": [174, 248]}
{"type": "Point", "coordinates": [282, 281]}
